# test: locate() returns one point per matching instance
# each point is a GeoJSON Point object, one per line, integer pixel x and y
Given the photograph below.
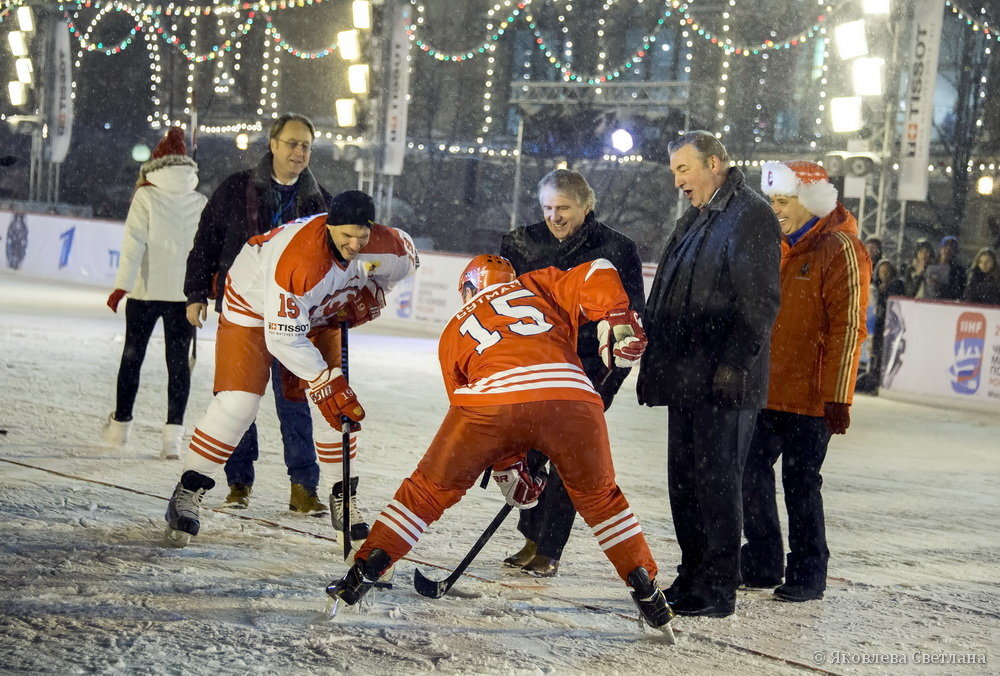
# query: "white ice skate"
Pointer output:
{"type": "Point", "coordinates": [184, 509]}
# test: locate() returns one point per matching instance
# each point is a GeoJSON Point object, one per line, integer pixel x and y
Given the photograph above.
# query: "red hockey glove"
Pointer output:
{"type": "Point", "coordinates": [366, 306]}
{"type": "Point", "coordinates": [115, 298]}
{"type": "Point", "coordinates": [620, 335]}
{"type": "Point", "coordinates": [519, 488]}
{"type": "Point", "coordinates": [335, 398]}
{"type": "Point", "coordinates": [838, 416]}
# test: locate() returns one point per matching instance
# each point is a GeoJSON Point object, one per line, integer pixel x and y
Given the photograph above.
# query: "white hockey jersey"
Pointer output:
{"type": "Point", "coordinates": [289, 282]}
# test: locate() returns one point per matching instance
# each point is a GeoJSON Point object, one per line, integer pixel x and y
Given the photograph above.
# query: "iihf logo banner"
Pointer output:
{"type": "Point", "coordinates": [970, 343]}
{"type": "Point", "coordinates": [942, 353]}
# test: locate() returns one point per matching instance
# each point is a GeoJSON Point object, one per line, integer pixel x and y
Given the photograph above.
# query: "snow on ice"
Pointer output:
{"type": "Point", "coordinates": [912, 499]}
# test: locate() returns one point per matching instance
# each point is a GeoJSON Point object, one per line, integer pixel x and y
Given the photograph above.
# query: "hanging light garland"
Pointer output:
{"type": "Point", "coordinates": [726, 44]}
{"type": "Point", "coordinates": [637, 56]}
{"type": "Point", "coordinates": [413, 29]}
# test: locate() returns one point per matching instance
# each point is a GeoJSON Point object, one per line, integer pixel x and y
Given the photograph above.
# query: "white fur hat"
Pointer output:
{"type": "Point", "coordinates": [803, 179]}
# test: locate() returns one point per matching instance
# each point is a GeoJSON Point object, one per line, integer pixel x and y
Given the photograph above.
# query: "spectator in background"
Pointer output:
{"type": "Point", "coordinates": [815, 349]}
{"type": "Point", "coordinates": [874, 247]}
{"type": "Point", "coordinates": [159, 229]}
{"type": "Point", "coordinates": [946, 279]}
{"type": "Point", "coordinates": [915, 274]}
{"type": "Point", "coordinates": [983, 284]}
{"type": "Point", "coordinates": [278, 190]}
{"type": "Point", "coordinates": [885, 283]}
{"type": "Point", "coordinates": [568, 235]}
{"type": "Point", "coordinates": [708, 320]}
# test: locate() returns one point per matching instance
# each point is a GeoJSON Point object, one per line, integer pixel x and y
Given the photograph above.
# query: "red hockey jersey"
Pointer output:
{"type": "Point", "coordinates": [516, 342]}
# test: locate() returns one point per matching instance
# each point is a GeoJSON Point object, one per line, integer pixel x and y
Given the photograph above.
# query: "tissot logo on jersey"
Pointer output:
{"type": "Point", "coordinates": [275, 327]}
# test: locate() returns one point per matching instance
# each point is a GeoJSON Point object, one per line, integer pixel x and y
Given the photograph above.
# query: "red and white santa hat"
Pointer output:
{"type": "Point", "coordinates": [803, 179]}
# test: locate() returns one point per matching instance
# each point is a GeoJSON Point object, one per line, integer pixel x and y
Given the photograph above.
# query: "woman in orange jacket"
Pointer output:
{"type": "Point", "coordinates": [815, 349]}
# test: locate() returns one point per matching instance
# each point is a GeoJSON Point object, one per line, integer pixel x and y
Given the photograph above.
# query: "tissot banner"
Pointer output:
{"type": "Point", "coordinates": [397, 99]}
{"type": "Point", "coordinates": [919, 99]}
{"type": "Point", "coordinates": [941, 349]}
{"type": "Point", "coordinates": [61, 121]}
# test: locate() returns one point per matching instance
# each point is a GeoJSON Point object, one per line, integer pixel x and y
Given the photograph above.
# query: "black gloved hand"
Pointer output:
{"type": "Point", "coordinates": [729, 385]}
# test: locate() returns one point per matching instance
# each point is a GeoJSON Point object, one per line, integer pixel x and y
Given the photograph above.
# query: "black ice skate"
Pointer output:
{"type": "Point", "coordinates": [362, 576]}
{"type": "Point", "coordinates": [184, 509]}
{"type": "Point", "coordinates": [359, 529]}
{"type": "Point", "coordinates": [652, 605]}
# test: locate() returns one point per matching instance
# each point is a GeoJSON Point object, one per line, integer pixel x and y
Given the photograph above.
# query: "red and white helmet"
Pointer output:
{"type": "Point", "coordinates": [486, 270]}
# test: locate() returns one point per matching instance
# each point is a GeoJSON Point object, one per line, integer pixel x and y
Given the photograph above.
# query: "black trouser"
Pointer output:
{"type": "Point", "coordinates": [706, 449]}
{"type": "Point", "coordinates": [140, 318]}
{"type": "Point", "coordinates": [549, 523]}
{"type": "Point", "coordinates": [801, 441]}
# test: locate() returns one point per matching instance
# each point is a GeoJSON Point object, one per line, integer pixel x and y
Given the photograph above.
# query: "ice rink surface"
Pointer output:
{"type": "Point", "coordinates": [913, 516]}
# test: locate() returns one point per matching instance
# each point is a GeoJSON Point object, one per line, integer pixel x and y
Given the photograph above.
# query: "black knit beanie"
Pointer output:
{"type": "Point", "coordinates": [351, 207]}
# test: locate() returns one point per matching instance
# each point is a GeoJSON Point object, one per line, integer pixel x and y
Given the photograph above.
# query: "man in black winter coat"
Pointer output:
{"type": "Point", "coordinates": [568, 236]}
{"type": "Point", "coordinates": [708, 320]}
{"type": "Point", "coordinates": [278, 190]}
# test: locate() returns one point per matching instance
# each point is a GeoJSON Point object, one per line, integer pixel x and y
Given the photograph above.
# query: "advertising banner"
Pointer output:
{"type": "Point", "coordinates": [397, 93]}
{"type": "Point", "coordinates": [61, 120]}
{"type": "Point", "coordinates": [58, 247]}
{"type": "Point", "coordinates": [948, 351]}
{"type": "Point", "coordinates": [915, 144]}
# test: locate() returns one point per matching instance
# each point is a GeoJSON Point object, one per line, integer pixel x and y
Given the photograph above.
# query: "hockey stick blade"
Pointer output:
{"type": "Point", "coordinates": [436, 589]}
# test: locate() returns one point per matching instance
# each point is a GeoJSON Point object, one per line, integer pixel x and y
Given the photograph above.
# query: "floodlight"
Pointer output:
{"type": "Point", "coordinates": [18, 93]}
{"type": "Point", "coordinates": [25, 19]}
{"type": "Point", "coordinates": [984, 186]}
{"type": "Point", "coordinates": [866, 72]}
{"type": "Point", "coordinates": [846, 114]}
{"type": "Point", "coordinates": [357, 78]}
{"type": "Point", "coordinates": [18, 43]}
{"type": "Point", "coordinates": [347, 112]}
{"type": "Point", "coordinates": [349, 45]}
{"type": "Point", "coordinates": [850, 39]}
{"type": "Point", "coordinates": [876, 6]}
{"type": "Point", "coordinates": [24, 70]}
{"type": "Point", "coordinates": [141, 152]}
{"type": "Point", "coordinates": [362, 10]}
{"type": "Point", "coordinates": [621, 140]}
{"type": "Point", "coordinates": [242, 141]}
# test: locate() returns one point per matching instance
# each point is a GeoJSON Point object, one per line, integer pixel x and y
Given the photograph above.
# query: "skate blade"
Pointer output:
{"type": "Point", "coordinates": [666, 631]}
{"type": "Point", "coordinates": [176, 538]}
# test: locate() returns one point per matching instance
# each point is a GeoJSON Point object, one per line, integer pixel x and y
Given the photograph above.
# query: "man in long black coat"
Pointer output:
{"type": "Point", "coordinates": [708, 320]}
{"type": "Point", "coordinates": [568, 236]}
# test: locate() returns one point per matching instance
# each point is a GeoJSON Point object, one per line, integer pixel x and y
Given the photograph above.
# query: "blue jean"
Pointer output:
{"type": "Point", "coordinates": [296, 436]}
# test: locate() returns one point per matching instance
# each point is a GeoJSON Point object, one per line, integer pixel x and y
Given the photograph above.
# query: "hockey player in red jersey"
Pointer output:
{"type": "Point", "coordinates": [286, 294]}
{"type": "Point", "coordinates": [515, 382]}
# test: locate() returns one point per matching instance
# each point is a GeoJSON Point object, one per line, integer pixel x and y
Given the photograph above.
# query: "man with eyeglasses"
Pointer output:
{"type": "Point", "coordinates": [278, 190]}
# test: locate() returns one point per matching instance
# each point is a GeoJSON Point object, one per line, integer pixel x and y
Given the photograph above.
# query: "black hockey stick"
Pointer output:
{"type": "Point", "coordinates": [345, 497]}
{"type": "Point", "coordinates": [436, 589]}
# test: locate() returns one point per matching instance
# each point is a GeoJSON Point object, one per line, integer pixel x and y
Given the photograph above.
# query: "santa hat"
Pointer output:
{"type": "Point", "coordinates": [171, 144]}
{"type": "Point", "coordinates": [351, 207]}
{"type": "Point", "coordinates": [803, 179]}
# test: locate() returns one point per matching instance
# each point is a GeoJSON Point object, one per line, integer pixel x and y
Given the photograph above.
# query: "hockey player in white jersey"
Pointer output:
{"type": "Point", "coordinates": [286, 294]}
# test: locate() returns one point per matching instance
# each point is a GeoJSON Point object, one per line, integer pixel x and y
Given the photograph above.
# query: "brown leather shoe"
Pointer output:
{"type": "Point", "coordinates": [304, 501]}
{"type": "Point", "coordinates": [541, 566]}
{"type": "Point", "coordinates": [522, 557]}
{"type": "Point", "coordinates": [238, 498]}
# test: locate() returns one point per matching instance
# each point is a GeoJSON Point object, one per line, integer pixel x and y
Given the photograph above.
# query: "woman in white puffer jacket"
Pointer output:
{"type": "Point", "coordinates": [159, 232]}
